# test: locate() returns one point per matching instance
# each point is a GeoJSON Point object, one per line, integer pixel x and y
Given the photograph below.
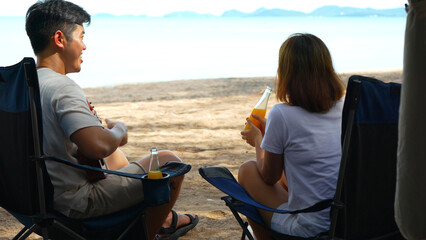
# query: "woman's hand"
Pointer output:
{"type": "Point", "coordinates": [253, 135]}
{"type": "Point", "coordinates": [262, 123]}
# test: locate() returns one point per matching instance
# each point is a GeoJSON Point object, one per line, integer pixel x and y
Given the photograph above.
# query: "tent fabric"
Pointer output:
{"type": "Point", "coordinates": [410, 207]}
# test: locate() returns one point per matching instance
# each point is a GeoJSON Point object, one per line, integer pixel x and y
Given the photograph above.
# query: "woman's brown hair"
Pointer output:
{"type": "Point", "coordinates": [305, 76]}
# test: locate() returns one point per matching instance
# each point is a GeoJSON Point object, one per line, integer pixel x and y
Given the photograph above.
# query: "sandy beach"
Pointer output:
{"type": "Point", "coordinates": [199, 120]}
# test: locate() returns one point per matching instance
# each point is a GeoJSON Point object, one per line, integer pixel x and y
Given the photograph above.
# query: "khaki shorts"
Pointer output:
{"type": "Point", "coordinates": [113, 193]}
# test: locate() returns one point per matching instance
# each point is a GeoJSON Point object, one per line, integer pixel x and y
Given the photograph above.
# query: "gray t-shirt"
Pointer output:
{"type": "Point", "coordinates": [311, 146]}
{"type": "Point", "coordinates": [65, 111]}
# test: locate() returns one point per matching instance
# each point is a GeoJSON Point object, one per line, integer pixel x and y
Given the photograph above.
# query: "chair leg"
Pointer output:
{"type": "Point", "coordinates": [66, 230]}
{"type": "Point", "coordinates": [243, 224]}
{"type": "Point", "coordinates": [123, 234]}
{"type": "Point", "coordinates": [44, 233]}
{"type": "Point", "coordinates": [243, 235]}
{"type": "Point", "coordinates": [25, 232]}
{"type": "Point", "coordinates": [144, 229]}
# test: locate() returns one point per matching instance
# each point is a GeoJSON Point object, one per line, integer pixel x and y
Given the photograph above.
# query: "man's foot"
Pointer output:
{"type": "Point", "coordinates": [177, 225]}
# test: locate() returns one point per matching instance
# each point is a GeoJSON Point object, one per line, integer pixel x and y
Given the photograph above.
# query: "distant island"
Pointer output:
{"type": "Point", "coordinates": [326, 11]}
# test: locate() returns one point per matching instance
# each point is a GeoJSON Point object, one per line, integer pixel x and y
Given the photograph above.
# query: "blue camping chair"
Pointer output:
{"type": "Point", "coordinates": [25, 188]}
{"type": "Point", "coordinates": [362, 207]}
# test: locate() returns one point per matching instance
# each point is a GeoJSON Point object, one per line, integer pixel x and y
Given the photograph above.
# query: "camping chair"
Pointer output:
{"type": "Point", "coordinates": [25, 188]}
{"type": "Point", "coordinates": [362, 207]}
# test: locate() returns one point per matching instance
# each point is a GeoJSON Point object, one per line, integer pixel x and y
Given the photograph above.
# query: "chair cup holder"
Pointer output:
{"type": "Point", "coordinates": [156, 191]}
{"type": "Point", "coordinates": [165, 175]}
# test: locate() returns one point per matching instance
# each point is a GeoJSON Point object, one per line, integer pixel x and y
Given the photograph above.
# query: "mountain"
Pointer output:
{"type": "Point", "coordinates": [334, 11]}
{"type": "Point", "coordinates": [393, 12]}
{"type": "Point", "coordinates": [326, 11]}
{"type": "Point", "coordinates": [275, 12]}
{"type": "Point", "coordinates": [234, 13]}
{"type": "Point", "coordinates": [263, 12]}
{"type": "Point", "coordinates": [188, 14]}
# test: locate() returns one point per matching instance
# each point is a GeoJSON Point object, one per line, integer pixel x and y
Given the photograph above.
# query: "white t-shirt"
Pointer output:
{"type": "Point", "coordinates": [311, 146]}
{"type": "Point", "coordinates": [65, 111]}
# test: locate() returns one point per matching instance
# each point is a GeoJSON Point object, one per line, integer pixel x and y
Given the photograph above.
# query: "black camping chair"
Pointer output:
{"type": "Point", "coordinates": [25, 188]}
{"type": "Point", "coordinates": [362, 207]}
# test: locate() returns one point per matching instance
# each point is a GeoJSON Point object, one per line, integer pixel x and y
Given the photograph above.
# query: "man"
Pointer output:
{"type": "Point", "coordinates": [73, 132]}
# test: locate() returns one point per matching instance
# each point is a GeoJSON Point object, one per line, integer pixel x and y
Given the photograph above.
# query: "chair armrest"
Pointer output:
{"type": "Point", "coordinates": [172, 168]}
{"type": "Point", "coordinates": [160, 187]}
{"type": "Point", "coordinates": [223, 179]}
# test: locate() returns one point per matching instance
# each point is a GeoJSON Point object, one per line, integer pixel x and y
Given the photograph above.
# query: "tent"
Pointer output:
{"type": "Point", "coordinates": [410, 201]}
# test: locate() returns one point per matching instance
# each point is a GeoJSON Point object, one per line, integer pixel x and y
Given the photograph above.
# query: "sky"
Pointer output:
{"type": "Point", "coordinates": [215, 7]}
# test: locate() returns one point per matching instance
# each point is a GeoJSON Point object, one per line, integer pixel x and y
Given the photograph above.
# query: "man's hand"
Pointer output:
{"type": "Point", "coordinates": [116, 124]}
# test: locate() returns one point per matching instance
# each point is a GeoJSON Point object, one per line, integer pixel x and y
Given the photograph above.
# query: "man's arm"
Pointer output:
{"type": "Point", "coordinates": [98, 142]}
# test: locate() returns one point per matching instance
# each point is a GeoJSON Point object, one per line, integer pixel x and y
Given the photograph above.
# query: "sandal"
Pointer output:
{"type": "Point", "coordinates": [174, 232]}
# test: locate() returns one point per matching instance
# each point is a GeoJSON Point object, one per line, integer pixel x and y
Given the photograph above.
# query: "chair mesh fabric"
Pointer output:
{"type": "Point", "coordinates": [18, 190]}
{"type": "Point", "coordinates": [369, 182]}
{"type": "Point", "coordinates": [239, 200]}
{"type": "Point", "coordinates": [223, 179]}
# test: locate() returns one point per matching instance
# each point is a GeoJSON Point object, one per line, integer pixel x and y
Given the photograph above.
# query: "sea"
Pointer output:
{"type": "Point", "coordinates": [129, 49]}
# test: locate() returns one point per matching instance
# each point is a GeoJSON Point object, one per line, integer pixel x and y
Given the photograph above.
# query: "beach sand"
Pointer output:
{"type": "Point", "coordinates": [199, 120]}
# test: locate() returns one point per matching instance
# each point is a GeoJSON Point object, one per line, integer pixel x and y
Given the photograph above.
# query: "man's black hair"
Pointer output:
{"type": "Point", "coordinates": [44, 18]}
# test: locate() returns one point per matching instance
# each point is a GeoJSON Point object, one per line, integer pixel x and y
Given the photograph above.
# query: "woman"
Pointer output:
{"type": "Point", "coordinates": [298, 149]}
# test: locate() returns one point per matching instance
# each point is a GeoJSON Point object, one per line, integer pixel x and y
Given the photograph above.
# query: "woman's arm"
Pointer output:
{"type": "Point", "coordinates": [270, 165]}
